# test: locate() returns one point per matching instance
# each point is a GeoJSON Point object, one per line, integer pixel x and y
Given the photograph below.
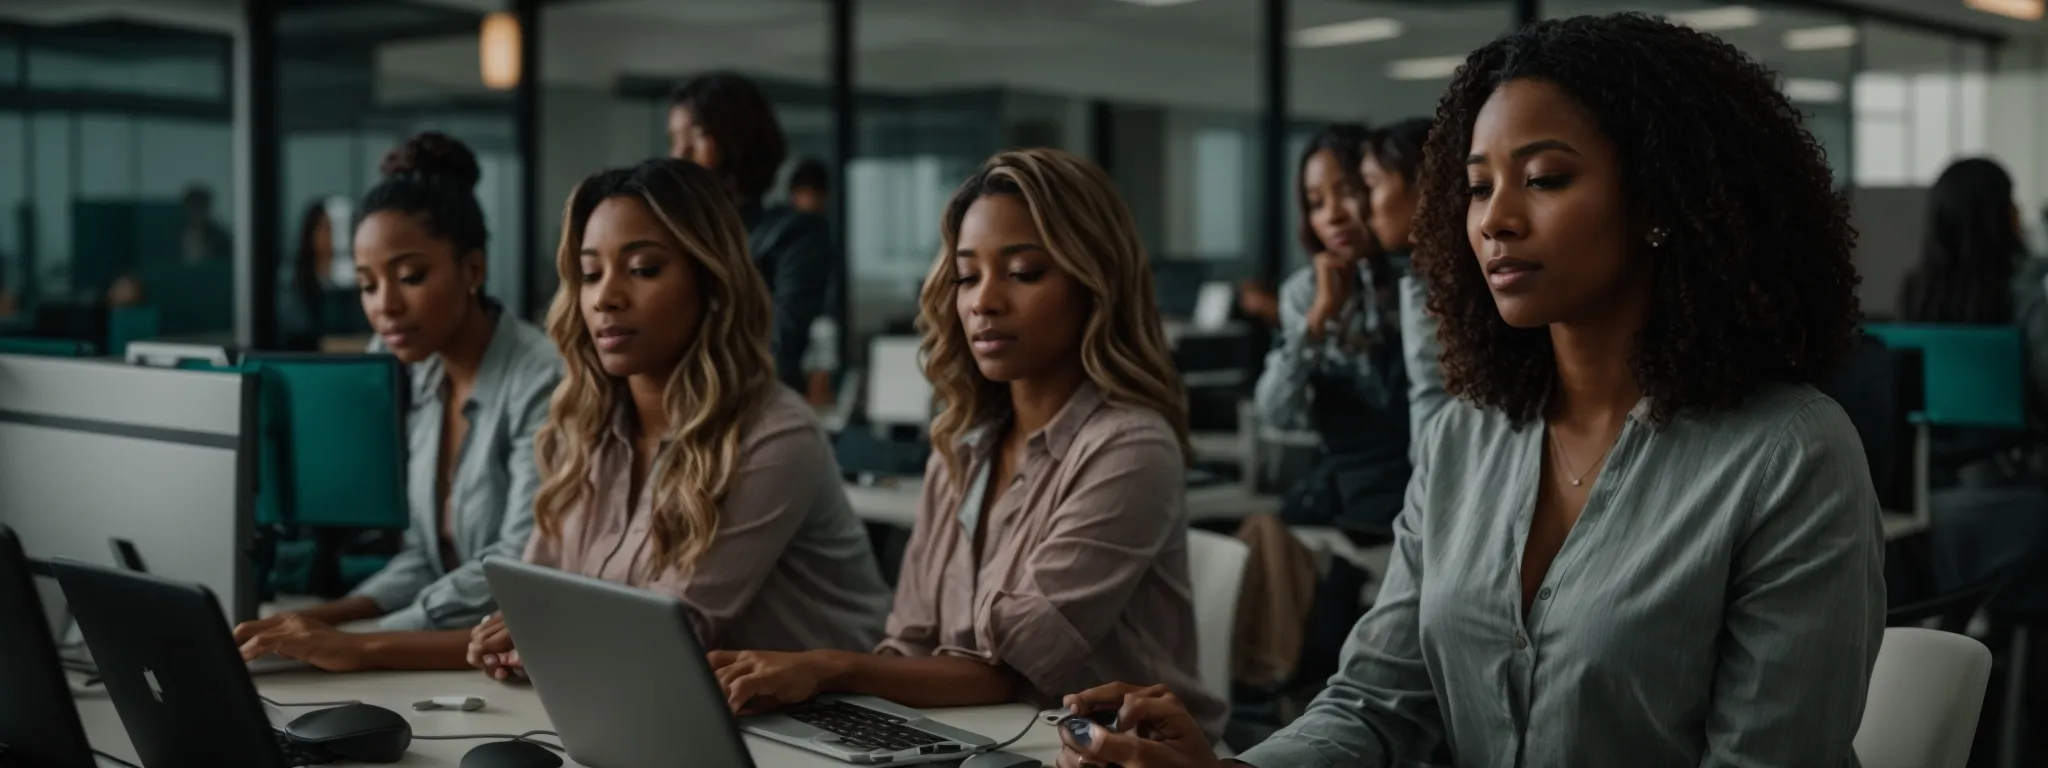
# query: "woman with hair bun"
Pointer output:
{"type": "Point", "coordinates": [481, 379]}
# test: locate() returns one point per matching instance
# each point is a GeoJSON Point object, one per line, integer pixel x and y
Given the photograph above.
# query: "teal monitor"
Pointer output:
{"type": "Point", "coordinates": [337, 423]}
{"type": "Point", "coordinates": [1974, 374]}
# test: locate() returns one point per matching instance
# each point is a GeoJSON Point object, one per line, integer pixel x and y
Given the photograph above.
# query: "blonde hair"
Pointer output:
{"type": "Point", "coordinates": [1091, 236]}
{"type": "Point", "coordinates": [723, 379]}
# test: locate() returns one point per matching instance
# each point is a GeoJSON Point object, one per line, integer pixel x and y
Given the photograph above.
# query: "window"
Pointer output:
{"type": "Point", "coordinates": [1164, 96]}
{"type": "Point", "coordinates": [357, 80]}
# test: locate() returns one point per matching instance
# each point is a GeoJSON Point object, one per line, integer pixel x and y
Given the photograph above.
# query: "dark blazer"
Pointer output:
{"type": "Point", "coordinates": [793, 252]}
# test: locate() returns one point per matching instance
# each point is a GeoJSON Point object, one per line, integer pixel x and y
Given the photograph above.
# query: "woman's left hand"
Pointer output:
{"type": "Point", "coordinates": [759, 681]}
{"type": "Point", "coordinates": [310, 641]}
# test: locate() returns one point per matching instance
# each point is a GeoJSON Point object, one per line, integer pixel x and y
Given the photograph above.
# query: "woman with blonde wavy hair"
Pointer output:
{"type": "Point", "coordinates": [1050, 550]}
{"type": "Point", "coordinates": [672, 458]}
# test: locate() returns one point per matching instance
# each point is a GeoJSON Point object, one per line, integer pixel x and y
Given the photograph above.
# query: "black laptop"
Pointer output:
{"type": "Point", "coordinates": [39, 725]}
{"type": "Point", "coordinates": [170, 664]}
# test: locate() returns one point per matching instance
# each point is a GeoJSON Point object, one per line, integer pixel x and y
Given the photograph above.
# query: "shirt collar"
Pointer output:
{"type": "Point", "coordinates": [1057, 435]}
{"type": "Point", "coordinates": [429, 374]}
{"type": "Point", "coordinates": [621, 424]}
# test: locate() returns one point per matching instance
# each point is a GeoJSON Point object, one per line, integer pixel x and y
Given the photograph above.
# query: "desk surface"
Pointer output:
{"type": "Point", "coordinates": [517, 709]}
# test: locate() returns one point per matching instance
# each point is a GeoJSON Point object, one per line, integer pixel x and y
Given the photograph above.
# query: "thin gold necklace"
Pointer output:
{"type": "Point", "coordinates": [1576, 476]}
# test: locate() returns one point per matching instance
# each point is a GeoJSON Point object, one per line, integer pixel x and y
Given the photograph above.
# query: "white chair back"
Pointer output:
{"type": "Point", "coordinates": [1924, 697]}
{"type": "Point", "coordinates": [1216, 568]}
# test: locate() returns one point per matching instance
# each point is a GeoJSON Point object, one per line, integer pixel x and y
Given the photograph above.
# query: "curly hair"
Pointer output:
{"type": "Point", "coordinates": [1092, 238]}
{"type": "Point", "coordinates": [724, 379]}
{"type": "Point", "coordinates": [1754, 283]}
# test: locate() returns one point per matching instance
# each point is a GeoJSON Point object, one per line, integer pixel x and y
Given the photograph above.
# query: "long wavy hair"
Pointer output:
{"type": "Point", "coordinates": [1090, 233]}
{"type": "Point", "coordinates": [721, 382]}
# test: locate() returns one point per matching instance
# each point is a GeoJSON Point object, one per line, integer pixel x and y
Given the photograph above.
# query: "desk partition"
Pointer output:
{"type": "Point", "coordinates": [96, 450]}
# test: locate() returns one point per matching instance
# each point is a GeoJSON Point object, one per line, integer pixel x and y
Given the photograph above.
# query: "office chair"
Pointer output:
{"type": "Point", "coordinates": [1925, 694]}
{"type": "Point", "coordinates": [335, 428]}
{"type": "Point", "coordinates": [1974, 411]}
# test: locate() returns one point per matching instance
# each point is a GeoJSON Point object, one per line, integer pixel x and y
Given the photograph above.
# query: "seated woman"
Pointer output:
{"type": "Point", "coordinates": [480, 385]}
{"type": "Point", "coordinates": [674, 460]}
{"type": "Point", "coordinates": [1050, 549]}
{"type": "Point", "coordinates": [1336, 365]}
{"type": "Point", "coordinates": [1391, 164]}
{"type": "Point", "coordinates": [1643, 539]}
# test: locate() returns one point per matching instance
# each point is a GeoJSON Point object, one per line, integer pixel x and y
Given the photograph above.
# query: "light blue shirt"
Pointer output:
{"type": "Point", "coordinates": [490, 493]}
{"type": "Point", "coordinates": [1719, 603]}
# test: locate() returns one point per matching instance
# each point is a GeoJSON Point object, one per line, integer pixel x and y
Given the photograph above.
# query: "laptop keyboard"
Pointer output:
{"type": "Point", "coordinates": [860, 727]}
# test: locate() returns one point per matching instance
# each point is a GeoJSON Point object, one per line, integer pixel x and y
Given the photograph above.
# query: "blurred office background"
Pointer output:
{"type": "Point", "coordinates": [160, 158]}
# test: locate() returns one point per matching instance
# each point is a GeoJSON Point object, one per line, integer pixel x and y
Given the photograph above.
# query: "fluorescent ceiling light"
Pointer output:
{"type": "Point", "coordinates": [1432, 68]}
{"type": "Point", "coordinates": [1813, 90]}
{"type": "Point", "coordinates": [1821, 38]}
{"type": "Point", "coordinates": [2024, 10]}
{"type": "Point", "coordinates": [1347, 33]}
{"type": "Point", "coordinates": [1717, 19]}
{"type": "Point", "coordinates": [1157, 3]}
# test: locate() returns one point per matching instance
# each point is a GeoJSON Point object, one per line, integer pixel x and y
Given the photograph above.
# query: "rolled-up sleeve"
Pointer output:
{"type": "Point", "coordinates": [1806, 606]}
{"type": "Point", "coordinates": [394, 586]}
{"type": "Point", "coordinates": [913, 628]}
{"type": "Point", "coordinates": [1380, 709]}
{"type": "Point", "coordinates": [1125, 502]}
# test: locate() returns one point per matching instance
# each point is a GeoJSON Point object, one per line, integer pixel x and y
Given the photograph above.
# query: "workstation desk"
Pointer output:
{"type": "Point", "coordinates": [515, 709]}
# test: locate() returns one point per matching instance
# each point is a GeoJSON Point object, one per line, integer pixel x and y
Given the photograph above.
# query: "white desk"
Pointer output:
{"type": "Point", "coordinates": [517, 709]}
{"type": "Point", "coordinates": [895, 502]}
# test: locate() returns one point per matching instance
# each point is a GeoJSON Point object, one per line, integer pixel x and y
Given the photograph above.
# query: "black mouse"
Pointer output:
{"type": "Point", "coordinates": [511, 754]}
{"type": "Point", "coordinates": [357, 732]}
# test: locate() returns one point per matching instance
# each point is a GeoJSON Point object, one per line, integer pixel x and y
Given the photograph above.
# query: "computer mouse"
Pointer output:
{"type": "Point", "coordinates": [358, 732]}
{"type": "Point", "coordinates": [1000, 760]}
{"type": "Point", "coordinates": [511, 754]}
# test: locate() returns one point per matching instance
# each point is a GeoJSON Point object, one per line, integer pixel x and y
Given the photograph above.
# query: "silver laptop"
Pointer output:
{"type": "Point", "coordinates": [622, 677]}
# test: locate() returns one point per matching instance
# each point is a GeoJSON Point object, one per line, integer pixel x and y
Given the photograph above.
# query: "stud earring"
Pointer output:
{"type": "Point", "coordinates": [1656, 237]}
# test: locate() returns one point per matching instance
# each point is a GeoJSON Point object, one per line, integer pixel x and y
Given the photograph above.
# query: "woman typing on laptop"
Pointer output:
{"type": "Point", "coordinates": [480, 385]}
{"type": "Point", "coordinates": [674, 461]}
{"type": "Point", "coordinates": [1050, 550]}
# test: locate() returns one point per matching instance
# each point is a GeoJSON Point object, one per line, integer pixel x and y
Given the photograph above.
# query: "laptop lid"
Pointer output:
{"type": "Point", "coordinates": [171, 667]}
{"type": "Point", "coordinates": [618, 670]}
{"type": "Point", "coordinates": [38, 722]}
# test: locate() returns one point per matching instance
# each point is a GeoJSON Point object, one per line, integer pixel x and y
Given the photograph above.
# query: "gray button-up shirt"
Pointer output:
{"type": "Point", "coordinates": [490, 496]}
{"type": "Point", "coordinates": [1719, 603]}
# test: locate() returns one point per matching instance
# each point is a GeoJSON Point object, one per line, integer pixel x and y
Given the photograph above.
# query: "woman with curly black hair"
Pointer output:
{"type": "Point", "coordinates": [1640, 266]}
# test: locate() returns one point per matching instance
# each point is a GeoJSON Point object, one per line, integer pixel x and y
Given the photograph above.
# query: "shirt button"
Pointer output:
{"type": "Point", "coordinates": [1521, 643]}
{"type": "Point", "coordinates": [1543, 594]}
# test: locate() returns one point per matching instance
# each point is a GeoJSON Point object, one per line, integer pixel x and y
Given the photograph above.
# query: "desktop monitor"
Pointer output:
{"type": "Point", "coordinates": [165, 459]}
{"type": "Point", "coordinates": [897, 391]}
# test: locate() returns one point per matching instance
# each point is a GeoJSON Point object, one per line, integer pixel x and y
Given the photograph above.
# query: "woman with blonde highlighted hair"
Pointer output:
{"type": "Point", "coordinates": [1050, 551]}
{"type": "Point", "coordinates": [672, 458]}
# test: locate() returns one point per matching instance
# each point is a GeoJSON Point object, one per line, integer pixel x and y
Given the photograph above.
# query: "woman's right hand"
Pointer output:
{"type": "Point", "coordinates": [1336, 280]}
{"type": "Point", "coordinates": [1153, 730]}
{"type": "Point", "coordinates": [491, 650]}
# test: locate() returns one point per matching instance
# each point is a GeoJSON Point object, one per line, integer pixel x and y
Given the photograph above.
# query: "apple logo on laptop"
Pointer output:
{"type": "Point", "coordinates": [155, 689]}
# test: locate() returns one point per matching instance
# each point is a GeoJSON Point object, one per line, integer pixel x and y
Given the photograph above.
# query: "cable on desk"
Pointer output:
{"type": "Point", "coordinates": [526, 737]}
{"type": "Point", "coordinates": [1013, 739]}
{"type": "Point", "coordinates": [304, 704]}
{"type": "Point", "coordinates": [113, 759]}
